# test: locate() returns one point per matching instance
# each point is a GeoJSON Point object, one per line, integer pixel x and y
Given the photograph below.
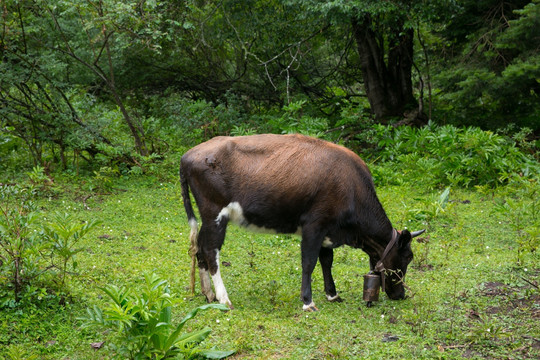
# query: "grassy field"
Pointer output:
{"type": "Point", "coordinates": [473, 285]}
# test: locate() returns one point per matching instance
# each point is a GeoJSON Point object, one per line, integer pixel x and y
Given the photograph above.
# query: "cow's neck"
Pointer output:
{"type": "Point", "coordinates": [376, 241]}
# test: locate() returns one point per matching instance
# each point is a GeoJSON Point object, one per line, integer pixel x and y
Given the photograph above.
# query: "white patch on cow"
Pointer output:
{"type": "Point", "coordinates": [221, 292]}
{"type": "Point", "coordinates": [310, 307]}
{"type": "Point", "coordinates": [332, 298]}
{"type": "Point", "coordinates": [193, 224]}
{"type": "Point", "coordinates": [327, 243]}
{"type": "Point", "coordinates": [233, 212]}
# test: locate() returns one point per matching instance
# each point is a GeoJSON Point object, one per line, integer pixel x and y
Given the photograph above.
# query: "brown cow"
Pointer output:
{"type": "Point", "coordinates": [289, 184]}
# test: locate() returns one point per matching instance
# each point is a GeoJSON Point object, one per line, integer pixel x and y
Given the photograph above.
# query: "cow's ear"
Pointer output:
{"type": "Point", "coordinates": [405, 238]}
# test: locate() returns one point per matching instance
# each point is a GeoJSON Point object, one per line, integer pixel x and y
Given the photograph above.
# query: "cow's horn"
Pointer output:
{"type": "Point", "coordinates": [416, 233]}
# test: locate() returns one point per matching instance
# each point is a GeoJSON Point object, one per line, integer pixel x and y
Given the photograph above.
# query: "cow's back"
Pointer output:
{"type": "Point", "coordinates": [283, 164]}
{"type": "Point", "coordinates": [279, 177]}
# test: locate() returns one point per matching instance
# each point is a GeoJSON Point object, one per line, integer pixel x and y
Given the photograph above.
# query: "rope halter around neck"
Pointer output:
{"type": "Point", "coordinates": [379, 267]}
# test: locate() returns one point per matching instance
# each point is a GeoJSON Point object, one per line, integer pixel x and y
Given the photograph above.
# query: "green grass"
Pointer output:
{"type": "Point", "coordinates": [468, 297]}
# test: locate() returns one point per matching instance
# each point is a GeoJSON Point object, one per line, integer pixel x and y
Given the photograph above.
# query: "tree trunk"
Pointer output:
{"type": "Point", "coordinates": [387, 76]}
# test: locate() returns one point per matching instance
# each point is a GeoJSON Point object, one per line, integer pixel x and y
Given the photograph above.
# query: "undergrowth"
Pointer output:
{"type": "Point", "coordinates": [447, 155]}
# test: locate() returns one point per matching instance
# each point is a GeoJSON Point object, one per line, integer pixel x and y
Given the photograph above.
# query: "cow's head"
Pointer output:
{"type": "Point", "coordinates": [396, 262]}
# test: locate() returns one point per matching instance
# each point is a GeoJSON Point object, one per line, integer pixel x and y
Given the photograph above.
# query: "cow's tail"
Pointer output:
{"type": "Point", "coordinates": [192, 220]}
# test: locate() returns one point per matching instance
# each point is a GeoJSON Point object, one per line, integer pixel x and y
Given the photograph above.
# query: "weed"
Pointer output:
{"type": "Point", "coordinates": [143, 324]}
{"type": "Point", "coordinates": [29, 250]}
{"type": "Point", "coordinates": [103, 179]}
{"type": "Point", "coordinates": [63, 236]}
{"type": "Point", "coordinates": [18, 352]}
{"type": "Point", "coordinates": [41, 183]}
{"type": "Point", "coordinates": [521, 208]}
{"type": "Point", "coordinates": [18, 241]}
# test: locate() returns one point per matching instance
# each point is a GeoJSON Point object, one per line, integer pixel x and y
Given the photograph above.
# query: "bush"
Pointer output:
{"type": "Point", "coordinates": [143, 326]}
{"type": "Point", "coordinates": [19, 245]}
{"type": "Point", "coordinates": [447, 155]}
{"type": "Point", "coordinates": [30, 249]}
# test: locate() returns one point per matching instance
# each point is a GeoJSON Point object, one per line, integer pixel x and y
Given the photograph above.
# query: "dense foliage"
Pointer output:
{"type": "Point", "coordinates": [453, 156]}
{"type": "Point", "coordinates": [86, 82]}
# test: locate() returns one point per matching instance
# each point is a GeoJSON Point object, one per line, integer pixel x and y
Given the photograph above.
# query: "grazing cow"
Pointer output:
{"type": "Point", "coordinates": [289, 184]}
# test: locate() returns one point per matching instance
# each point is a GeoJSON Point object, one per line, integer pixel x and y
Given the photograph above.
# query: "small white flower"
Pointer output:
{"type": "Point", "coordinates": [217, 319]}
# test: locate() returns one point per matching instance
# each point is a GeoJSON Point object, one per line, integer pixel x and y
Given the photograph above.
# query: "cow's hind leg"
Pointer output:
{"type": "Point", "coordinates": [204, 275]}
{"type": "Point", "coordinates": [326, 258]}
{"type": "Point", "coordinates": [211, 239]}
{"type": "Point", "coordinates": [206, 285]}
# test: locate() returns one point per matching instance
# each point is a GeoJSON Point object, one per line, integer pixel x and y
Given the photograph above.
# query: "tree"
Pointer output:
{"type": "Point", "coordinates": [490, 76]}
{"type": "Point", "coordinates": [386, 62]}
{"type": "Point", "coordinates": [384, 35]}
{"type": "Point", "coordinates": [36, 105]}
{"type": "Point", "coordinates": [90, 33]}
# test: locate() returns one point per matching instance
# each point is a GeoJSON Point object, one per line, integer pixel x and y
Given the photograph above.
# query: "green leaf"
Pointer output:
{"type": "Point", "coordinates": [216, 354]}
{"type": "Point", "coordinates": [173, 338]}
{"type": "Point", "coordinates": [193, 337]}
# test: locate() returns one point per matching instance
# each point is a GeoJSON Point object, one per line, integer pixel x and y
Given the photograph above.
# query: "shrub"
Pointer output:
{"type": "Point", "coordinates": [62, 235]}
{"type": "Point", "coordinates": [31, 250]}
{"type": "Point", "coordinates": [453, 156]}
{"type": "Point", "coordinates": [19, 255]}
{"type": "Point", "coordinates": [143, 326]}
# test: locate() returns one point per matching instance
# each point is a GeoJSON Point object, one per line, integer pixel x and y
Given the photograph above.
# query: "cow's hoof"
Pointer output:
{"type": "Point", "coordinates": [335, 298]}
{"type": "Point", "coordinates": [369, 304]}
{"type": "Point", "coordinates": [310, 308]}
{"type": "Point", "coordinates": [210, 298]}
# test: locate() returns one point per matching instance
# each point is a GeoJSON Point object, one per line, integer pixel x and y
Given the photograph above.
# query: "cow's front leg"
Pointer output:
{"type": "Point", "coordinates": [326, 258]}
{"type": "Point", "coordinates": [310, 248]}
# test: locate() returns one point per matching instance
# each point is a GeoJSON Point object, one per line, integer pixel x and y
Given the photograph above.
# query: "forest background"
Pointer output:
{"type": "Point", "coordinates": [120, 81]}
{"type": "Point", "coordinates": [99, 99]}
